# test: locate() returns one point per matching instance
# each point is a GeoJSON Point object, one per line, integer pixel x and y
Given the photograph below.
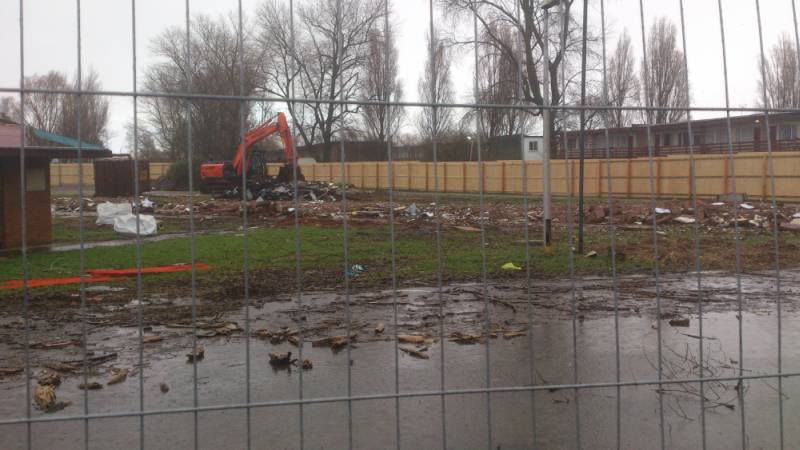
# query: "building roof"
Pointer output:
{"type": "Point", "coordinates": [695, 123]}
{"type": "Point", "coordinates": [11, 141]}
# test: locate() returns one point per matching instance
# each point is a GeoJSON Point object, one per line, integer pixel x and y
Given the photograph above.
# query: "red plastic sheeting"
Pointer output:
{"type": "Point", "coordinates": [146, 270]}
{"type": "Point", "coordinates": [100, 275]}
{"type": "Point", "coordinates": [40, 282]}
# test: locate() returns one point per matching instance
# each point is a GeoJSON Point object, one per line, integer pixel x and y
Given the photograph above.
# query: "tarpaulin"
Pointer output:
{"type": "Point", "coordinates": [100, 275]}
{"type": "Point", "coordinates": [146, 270]}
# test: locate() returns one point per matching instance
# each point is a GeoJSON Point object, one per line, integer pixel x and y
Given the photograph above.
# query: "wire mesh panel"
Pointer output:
{"type": "Point", "coordinates": [418, 224]}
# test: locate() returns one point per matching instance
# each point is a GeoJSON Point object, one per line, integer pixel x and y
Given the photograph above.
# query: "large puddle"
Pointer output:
{"type": "Point", "coordinates": [221, 380]}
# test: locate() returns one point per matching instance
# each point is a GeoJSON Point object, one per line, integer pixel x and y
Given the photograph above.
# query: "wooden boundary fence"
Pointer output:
{"type": "Point", "coordinates": [629, 177]}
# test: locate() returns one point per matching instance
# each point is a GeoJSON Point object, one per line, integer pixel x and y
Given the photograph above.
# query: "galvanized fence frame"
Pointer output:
{"type": "Point", "coordinates": [442, 392]}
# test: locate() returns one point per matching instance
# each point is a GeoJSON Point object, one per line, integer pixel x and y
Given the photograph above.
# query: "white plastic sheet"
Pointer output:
{"type": "Point", "coordinates": [127, 224]}
{"type": "Point", "coordinates": [106, 212]}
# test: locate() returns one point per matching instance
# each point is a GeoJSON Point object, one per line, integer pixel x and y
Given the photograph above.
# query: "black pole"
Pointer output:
{"type": "Point", "coordinates": [583, 129]}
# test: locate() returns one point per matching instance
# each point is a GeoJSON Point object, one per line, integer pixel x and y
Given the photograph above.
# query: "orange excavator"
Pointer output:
{"type": "Point", "coordinates": [220, 176]}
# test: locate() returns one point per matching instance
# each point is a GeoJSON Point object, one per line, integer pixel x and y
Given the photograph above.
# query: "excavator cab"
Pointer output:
{"type": "Point", "coordinates": [228, 174]}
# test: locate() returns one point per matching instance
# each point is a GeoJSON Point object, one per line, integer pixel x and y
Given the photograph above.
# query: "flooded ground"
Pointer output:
{"type": "Point", "coordinates": [504, 420]}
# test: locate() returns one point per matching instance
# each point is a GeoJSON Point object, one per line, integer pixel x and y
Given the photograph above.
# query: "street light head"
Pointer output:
{"type": "Point", "coordinates": [547, 4]}
{"type": "Point", "coordinates": [469, 138]}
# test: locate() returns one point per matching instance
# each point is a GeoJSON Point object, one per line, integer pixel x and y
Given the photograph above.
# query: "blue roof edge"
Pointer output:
{"type": "Point", "coordinates": [63, 140]}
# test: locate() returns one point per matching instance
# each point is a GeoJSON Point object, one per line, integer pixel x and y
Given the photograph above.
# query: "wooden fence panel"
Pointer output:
{"type": "Point", "coordinates": [629, 177]}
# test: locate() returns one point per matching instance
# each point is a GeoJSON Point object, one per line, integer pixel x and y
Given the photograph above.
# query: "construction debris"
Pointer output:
{"type": "Point", "coordinates": [679, 322]}
{"type": "Point", "coordinates": [276, 337]}
{"type": "Point", "coordinates": [119, 375]}
{"type": "Point", "coordinates": [317, 191]}
{"type": "Point", "coordinates": [44, 397]}
{"type": "Point", "coordinates": [336, 343]}
{"type": "Point", "coordinates": [513, 334]}
{"type": "Point", "coordinates": [55, 344]}
{"type": "Point", "coordinates": [49, 379]}
{"type": "Point", "coordinates": [415, 353]}
{"type": "Point", "coordinates": [10, 371]}
{"type": "Point", "coordinates": [281, 359]}
{"type": "Point", "coordinates": [411, 339]}
{"type": "Point", "coordinates": [466, 338]}
{"type": "Point", "coordinates": [198, 354]}
{"type": "Point", "coordinates": [151, 338]}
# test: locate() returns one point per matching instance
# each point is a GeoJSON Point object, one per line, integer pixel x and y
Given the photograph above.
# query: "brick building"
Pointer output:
{"type": "Point", "coordinates": [748, 134]}
{"type": "Point", "coordinates": [37, 180]}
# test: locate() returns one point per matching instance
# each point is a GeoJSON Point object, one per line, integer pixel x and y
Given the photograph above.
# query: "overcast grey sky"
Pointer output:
{"type": "Point", "coordinates": [51, 42]}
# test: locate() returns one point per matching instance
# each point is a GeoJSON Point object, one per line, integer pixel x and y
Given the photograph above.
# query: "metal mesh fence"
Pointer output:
{"type": "Point", "coordinates": [564, 386]}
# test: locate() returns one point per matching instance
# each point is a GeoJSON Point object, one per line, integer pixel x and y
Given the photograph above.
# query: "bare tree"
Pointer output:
{"type": "Point", "coordinates": [43, 110]}
{"type": "Point", "coordinates": [622, 82]}
{"type": "Point", "coordinates": [93, 111]}
{"type": "Point", "coordinates": [783, 80]}
{"type": "Point", "coordinates": [8, 108]}
{"type": "Point", "coordinates": [147, 147]}
{"type": "Point", "coordinates": [216, 58]}
{"type": "Point", "coordinates": [58, 112]}
{"type": "Point", "coordinates": [664, 76]}
{"type": "Point", "coordinates": [499, 83]}
{"type": "Point", "coordinates": [381, 84]}
{"type": "Point", "coordinates": [435, 87]}
{"type": "Point", "coordinates": [526, 18]}
{"type": "Point", "coordinates": [325, 61]}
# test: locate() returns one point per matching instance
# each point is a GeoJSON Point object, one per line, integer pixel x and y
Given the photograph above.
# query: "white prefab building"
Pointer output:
{"type": "Point", "coordinates": [534, 148]}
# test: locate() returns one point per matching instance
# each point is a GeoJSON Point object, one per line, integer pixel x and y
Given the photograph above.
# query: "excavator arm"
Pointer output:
{"type": "Point", "coordinates": [266, 129]}
{"type": "Point", "coordinates": [224, 174]}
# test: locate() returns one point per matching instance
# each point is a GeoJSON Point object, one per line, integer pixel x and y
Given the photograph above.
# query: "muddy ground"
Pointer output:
{"type": "Point", "coordinates": [371, 341]}
{"type": "Point", "coordinates": [280, 323]}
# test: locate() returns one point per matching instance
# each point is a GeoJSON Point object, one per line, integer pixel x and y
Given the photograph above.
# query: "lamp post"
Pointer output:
{"type": "Point", "coordinates": [546, 5]}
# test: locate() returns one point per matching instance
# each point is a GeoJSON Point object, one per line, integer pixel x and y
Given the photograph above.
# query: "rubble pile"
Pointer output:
{"type": "Point", "coordinates": [712, 215]}
{"type": "Point", "coordinates": [66, 205]}
{"type": "Point", "coordinates": [275, 190]}
{"type": "Point", "coordinates": [322, 201]}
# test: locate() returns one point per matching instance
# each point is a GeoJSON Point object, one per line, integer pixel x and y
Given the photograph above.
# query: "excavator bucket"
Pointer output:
{"type": "Point", "coordinates": [286, 174]}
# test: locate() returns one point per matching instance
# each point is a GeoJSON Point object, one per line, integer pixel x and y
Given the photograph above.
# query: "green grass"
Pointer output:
{"type": "Point", "coordinates": [322, 254]}
{"type": "Point", "coordinates": [321, 248]}
{"type": "Point", "coordinates": [66, 230]}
